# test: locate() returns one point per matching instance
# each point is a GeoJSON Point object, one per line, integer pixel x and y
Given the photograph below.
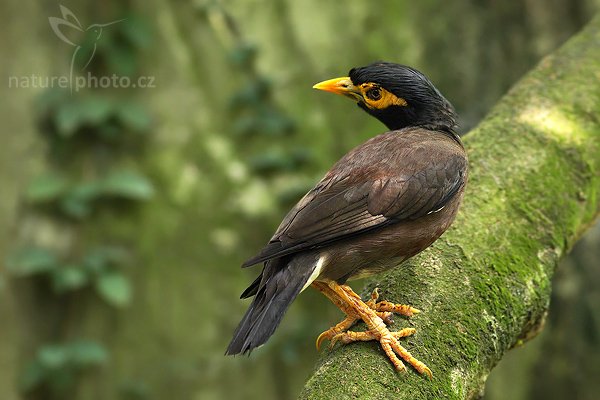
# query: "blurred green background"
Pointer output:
{"type": "Point", "coordinates": [126, 211]}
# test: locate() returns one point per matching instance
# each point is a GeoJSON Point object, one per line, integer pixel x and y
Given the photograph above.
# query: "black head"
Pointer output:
{"type": "Point", "coordinates": [397, 95]}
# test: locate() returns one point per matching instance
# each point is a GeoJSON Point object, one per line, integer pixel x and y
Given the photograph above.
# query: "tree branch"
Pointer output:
{"type": "Point", "coordinates": [484, 287]}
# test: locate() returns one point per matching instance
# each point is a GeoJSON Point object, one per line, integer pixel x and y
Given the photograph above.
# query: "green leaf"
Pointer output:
{"type": "Point", "coordinates": [91, 111]}
{"type": "Point", "coordinates": [67, 119]}
{"type": "Point", "coordinates": [134, 116]}
{"type": "Point", "coordinates": [53, 356]}
{"type": "Point", "coordinates": [46, 188]}
{"type": "Point", "coordinates": [31, 261]}
{"type": "Point", "coordinates": [86, 353]}
{"type": "Point", "coordinates": [77, 202]}
{"type": "Point", "coordinates": [129, 185]}
{"type": "Point", "coordinates": [69, 278]}
{"type": "Point", "coordinates": [75, 207]}
{"type": "Point", "coordinates": [55, 364]}
{"type": "Point", "coordinates": [32, 376]}
{"type": "Point", "coordinates": [114, 288]}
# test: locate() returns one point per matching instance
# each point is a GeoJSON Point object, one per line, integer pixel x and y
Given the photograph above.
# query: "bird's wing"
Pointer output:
{"type": "Point", "coordinates": [358, 198]}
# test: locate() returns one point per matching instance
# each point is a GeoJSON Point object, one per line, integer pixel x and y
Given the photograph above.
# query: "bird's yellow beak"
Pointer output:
{"type": "Point", "coordinates": [342, 86]}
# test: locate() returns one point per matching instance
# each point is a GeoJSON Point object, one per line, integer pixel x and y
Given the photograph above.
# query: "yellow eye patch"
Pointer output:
{"type": "Point", "coordinates": [377, 97]}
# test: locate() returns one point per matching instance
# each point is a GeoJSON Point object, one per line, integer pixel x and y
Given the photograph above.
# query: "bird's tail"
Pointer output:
{"type": "Point", "coordinates": [281, 281]}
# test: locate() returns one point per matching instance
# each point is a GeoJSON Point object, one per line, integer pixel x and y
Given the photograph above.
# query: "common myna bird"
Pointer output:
{"type": "Point", "coordinates": [382, 203]}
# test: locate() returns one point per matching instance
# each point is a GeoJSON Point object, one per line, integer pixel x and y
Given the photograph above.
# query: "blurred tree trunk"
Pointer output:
{"type": "Point", "coordinates": [573, 328]}
{"type": "Point", "coordinates": [485, 286]}
{"type": "Point", "coordinates": [481, 48]}
{"type": "Point", "coordinates": [24, 53]}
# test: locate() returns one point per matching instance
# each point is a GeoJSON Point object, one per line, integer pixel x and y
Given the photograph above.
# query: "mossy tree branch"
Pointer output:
{"type": "Point", "coordinates": [484, 287]}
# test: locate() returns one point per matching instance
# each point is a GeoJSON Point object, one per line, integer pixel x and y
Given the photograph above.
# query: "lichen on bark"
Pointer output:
{"type": "Point", "coordinates": [484, 287]}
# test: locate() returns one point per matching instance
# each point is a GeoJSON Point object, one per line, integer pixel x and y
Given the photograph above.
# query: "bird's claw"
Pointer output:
{"type": "Point", "coordinates": [378, 311]}
{"type": "Point", "coordinates": [330, 333]}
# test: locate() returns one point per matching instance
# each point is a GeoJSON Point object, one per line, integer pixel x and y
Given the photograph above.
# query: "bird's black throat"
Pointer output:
{"type": "Point", "coordinates": [398, 117]}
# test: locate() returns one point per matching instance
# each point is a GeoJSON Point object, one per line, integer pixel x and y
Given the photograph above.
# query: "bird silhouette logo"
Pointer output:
{"type": "Point", "coordinates": [84, 40]}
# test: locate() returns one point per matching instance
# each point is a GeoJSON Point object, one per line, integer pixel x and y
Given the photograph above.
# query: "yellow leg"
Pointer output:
{"type": "Point", "coordinates": [375, 315]}
{"type": "Point", "coordinates": [351, 316]}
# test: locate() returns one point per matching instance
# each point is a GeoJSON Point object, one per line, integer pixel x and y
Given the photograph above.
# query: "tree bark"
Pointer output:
{"type": "Point", "coordinates": [484, 287]}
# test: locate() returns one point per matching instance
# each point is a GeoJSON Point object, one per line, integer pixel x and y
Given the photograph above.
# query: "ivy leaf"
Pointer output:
{"type": "Point", "coordinates": [67, 119]}
{"type": "Point", "coordinates": [119, 57]}
{"type": "Point", "coordinates": [53, 356]}
{"type": "Point", "coordinates": [46, 188]}
{"type": "Point", "coordinates": [129, 185]}
{"type": "Point", "coordinates": [134, 116]}
{"type": "Point", "coordinates": [90, 111]}
{"type": "Point", "coordinates": [31, 261]}
{"type": "Point", "coordinates": [77, 202]}
{"type": "Point", "coordinates": [114, 288]}
{"type": "Point", "coordinates": [69, 278]}
{"type": "Point", "coordinates": [86, 353]}
{"type": "Point", "coordinates": [75, 207]}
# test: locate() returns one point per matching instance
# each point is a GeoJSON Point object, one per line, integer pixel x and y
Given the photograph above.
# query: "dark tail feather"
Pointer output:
{"type": "Point", "coordinates": [252, 289]}
{"type": "Point", "coordinates": [282, 280]}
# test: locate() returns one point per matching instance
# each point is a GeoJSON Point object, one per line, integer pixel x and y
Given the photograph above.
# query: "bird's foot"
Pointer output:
{"type": "Point", "coordinates": [389, 344]}
{"type": "Point", "coordinates": [384, 310]}
{"type": "Point", "coordinates": [376, 316]}
{"type": "Point", "coordinates": [393, 349]}
{"type": "Point", "coordinates": [366, 336]}
{"type": "Point", "coordinates": [335, 330]}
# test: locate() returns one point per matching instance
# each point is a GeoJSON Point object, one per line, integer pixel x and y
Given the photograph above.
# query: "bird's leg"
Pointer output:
{"type": "Point", "coordinates": [351, 316]}
{"type": "Point", "coordinates": [384, 310]}
{"type": "Point", "coordinates": [377, 330]}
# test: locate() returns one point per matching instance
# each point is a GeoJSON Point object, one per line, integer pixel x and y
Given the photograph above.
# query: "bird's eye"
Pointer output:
{"type": "Point", "coordinates": [374, 93]}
